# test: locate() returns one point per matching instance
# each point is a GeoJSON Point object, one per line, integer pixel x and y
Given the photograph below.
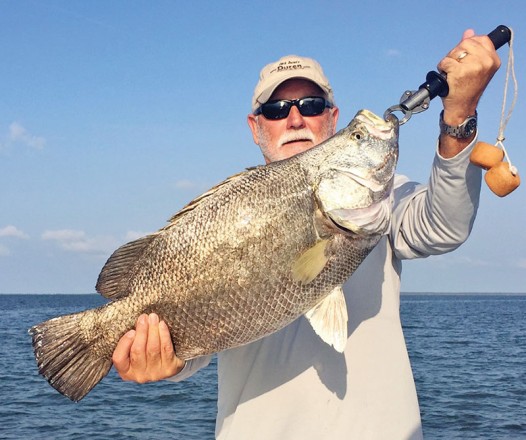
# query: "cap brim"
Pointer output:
{"type": "Point", "coordinates": [267, 93]}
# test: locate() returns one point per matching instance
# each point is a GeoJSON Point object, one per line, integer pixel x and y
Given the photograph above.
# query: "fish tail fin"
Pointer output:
{"type": "Point", "coordinates": [68, 362]}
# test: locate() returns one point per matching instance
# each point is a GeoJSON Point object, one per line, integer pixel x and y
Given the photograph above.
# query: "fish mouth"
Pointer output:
{"type": "Point", "coordinates": [383, 129]}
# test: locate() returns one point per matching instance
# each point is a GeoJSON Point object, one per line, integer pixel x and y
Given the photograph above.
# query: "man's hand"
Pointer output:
{"type": "Point", "coordinates": [467, 78]}
{"type": "Point", "coordinates": [146, 354]}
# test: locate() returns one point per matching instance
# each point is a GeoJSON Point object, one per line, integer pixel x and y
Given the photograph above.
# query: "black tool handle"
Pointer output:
{"type": "Point", "coordinates": [436, 83]}
{"type": "Point", "coordinates": [500, 36]}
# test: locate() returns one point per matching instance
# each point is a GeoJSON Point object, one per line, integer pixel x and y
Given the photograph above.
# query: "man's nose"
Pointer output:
{"type": "Point", "coordinates": [294, 119]}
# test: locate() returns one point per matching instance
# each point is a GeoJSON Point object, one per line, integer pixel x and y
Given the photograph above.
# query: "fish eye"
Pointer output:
{"type": "Point", "coordinates": [357, 135]}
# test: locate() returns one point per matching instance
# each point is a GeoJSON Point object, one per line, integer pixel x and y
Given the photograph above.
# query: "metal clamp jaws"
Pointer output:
{"type": "Point", "coordinates": [411, 102]}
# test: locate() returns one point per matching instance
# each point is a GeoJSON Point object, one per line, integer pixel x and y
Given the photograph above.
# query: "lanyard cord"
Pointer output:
{"type": "Point", "coordinates": [504, 118]}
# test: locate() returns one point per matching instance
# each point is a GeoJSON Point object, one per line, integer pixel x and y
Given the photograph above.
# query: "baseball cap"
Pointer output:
{"type": "Point", "coordinates": [287, 67]}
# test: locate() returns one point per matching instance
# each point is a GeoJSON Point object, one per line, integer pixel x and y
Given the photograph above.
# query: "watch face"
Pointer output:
{"type": "Point", "coordinates": [471, 126]}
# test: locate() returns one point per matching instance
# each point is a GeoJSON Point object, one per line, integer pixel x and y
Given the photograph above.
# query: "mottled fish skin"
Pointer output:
{"type": "Point", "coordinates": [225, 271]}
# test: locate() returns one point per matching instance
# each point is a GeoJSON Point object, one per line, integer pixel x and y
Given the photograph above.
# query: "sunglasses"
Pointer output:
{"type": "Point", "coordinates": [279, 109]}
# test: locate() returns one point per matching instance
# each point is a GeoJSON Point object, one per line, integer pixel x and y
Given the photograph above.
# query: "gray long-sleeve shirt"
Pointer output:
{"type": "Point", "coordinates": [292, 385]}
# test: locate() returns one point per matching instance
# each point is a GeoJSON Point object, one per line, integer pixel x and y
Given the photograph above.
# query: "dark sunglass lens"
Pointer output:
{"type": "Point", "coordinates": [275, 110]}
{"type": "Point", "coordinates": [312, 106]}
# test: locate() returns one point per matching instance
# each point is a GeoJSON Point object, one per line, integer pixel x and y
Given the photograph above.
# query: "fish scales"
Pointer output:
{"type": "Point", "coordinates": [231, 264]}
{"type": "Point", "coordinates": [242, 261]}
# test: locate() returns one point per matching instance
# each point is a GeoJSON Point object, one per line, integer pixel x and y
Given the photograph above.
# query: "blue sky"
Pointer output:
{"type": "Point", "coordinates": [115, 114]}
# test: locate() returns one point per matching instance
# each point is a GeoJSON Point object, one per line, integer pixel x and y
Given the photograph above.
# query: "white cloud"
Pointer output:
{"type": "Point", "coordinates": [471, 262]}
{"type": "Point", "coordinates": [77, 241]}
{"type": "Point", "coordinates": [4, 251]}
{"type": "Point", "coordinates": [192, 186]}
{"type": "Point", "coordinates": [186, 184]}
{"type": "Point", "coordinates": [18, 135]}
{"type": "Point", "coordinates": [393, 53]}
{"type": "Point", "coordinates": [63, 235]}
{"type": "Point", "coordinates": [13, 231]}
{"type": "Point", "coordinates": [462, 260]}
{"type": "Point", "coordinates": [475, 262]}
{"type": "Point", "coordinates": [134, 235]}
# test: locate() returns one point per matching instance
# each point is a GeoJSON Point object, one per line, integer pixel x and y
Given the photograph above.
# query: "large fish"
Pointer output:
{"type": "Point", "coordinates": [241, 261]}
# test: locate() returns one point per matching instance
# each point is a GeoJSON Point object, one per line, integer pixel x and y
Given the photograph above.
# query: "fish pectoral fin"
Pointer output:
{"type": "Point", "coordinates": [310, 263]}
{"type": "Point", "coordinates": [329, 319]}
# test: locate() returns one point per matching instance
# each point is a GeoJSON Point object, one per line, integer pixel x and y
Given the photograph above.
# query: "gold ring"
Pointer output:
{"type": "Point", "coordinates": [461, 55]}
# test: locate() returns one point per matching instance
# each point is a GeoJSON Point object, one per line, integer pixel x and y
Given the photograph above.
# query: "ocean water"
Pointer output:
{"type": "Point", "coordinates": [468, 354]}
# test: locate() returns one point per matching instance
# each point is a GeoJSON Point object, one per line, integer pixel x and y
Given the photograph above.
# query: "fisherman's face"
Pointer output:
{"type": "Point", "coordinates": [283, 138]}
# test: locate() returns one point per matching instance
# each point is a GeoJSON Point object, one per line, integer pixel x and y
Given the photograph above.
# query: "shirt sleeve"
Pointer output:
{"type": "Point", "coordinates": [191, 367]}
{"type": "Point", "coordinates": [436, 218]}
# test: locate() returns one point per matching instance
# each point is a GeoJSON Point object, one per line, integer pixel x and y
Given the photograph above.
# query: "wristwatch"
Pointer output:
{"type": "Point", "coordinates": [462, 131]}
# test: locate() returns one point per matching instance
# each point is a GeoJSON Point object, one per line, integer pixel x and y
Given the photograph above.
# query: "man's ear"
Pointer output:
{"type": "Point", "coordinates": [335, 111]}
{"type": "Point", "coordinates": [253, 124]}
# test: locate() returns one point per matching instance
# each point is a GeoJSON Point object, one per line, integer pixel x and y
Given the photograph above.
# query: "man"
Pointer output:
{"type": "Point", "coordinates": [291, 385]}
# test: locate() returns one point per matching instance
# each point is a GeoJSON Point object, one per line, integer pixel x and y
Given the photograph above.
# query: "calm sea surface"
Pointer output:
{"type": "Point", "coordinates": [468, 354]}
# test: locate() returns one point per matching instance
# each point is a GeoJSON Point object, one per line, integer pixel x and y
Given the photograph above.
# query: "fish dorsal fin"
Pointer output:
{"type": "Point", "coordinates": [115, 275]}
{"type": "Point", "coordinates": [121, 266]}
{"type": "Point", "coordinates": [194, 203]}
{"type": "Point", "coordinates": [310, 263]}
{"type": "Point", "coordinates": [329, 319]}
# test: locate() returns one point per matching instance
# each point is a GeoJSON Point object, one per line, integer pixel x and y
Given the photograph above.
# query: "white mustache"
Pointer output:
{"type": "Point", "coordinates": [296, 135]}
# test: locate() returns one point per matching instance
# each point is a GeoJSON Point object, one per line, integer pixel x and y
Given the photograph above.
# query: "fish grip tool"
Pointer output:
{"type": "Point", "coordinates": [413, 102]}
{"type": "Point", "coordinates": [501, 176]}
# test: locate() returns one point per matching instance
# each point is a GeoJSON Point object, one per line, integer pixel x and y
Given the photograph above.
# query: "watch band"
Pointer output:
{"type": "Point", "coordinates": [462, 131]}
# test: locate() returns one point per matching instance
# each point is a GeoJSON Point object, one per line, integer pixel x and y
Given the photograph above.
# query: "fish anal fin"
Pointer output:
{"type": "Point", "coordinates": [115, 275]}
{"type": "Point", "coordinates": [328, 318]}
{"type": "Point", "coordinates": [310, 263]}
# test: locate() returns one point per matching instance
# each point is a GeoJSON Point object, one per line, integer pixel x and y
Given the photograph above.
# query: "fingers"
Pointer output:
{"type": "Point", "coordinates": [153, 345]}
{"type": "Point", "coordinates": [121, 355]}
{"type": "Point", "coordinates": [478, 47]}
{"type": "Point", "coordinates": [138, 357]}
{"type": "Point", "coordinates": [171, 364]}
{"type": "Point", "coordinates": [145, 358]}
{"type": "Point", "coordinates": [468, 33]}
{"type": "Point", "coordinates": [147, 354]}
{"type": "Point", "coordinates": [166, 348]}
{"type": "Point", "coordinates": [469, 68]}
